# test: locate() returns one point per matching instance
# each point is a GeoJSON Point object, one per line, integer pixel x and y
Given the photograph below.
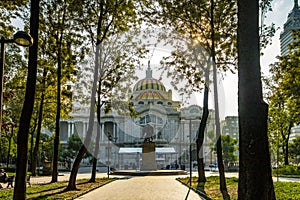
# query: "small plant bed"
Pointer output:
{"type": "Point", "coordinates": [212, 186]}
{"type": "Point", "coordinates": [287, 171]}
{"type": "Point", "coordinates": [57, 190]}
{"type": "Point", "coordinates": [283, 190]}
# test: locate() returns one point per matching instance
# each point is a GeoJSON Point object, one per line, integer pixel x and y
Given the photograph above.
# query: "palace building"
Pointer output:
{"type": "Point", "coordinates": [173, 128]}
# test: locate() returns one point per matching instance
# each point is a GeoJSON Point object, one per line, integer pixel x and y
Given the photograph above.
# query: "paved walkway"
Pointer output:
{"type": "Point", "coordinates": [143, 188]}
{"type": "Point", "coordinates": [140, 187]}
{"type": "Point", "coordinates": [132, 188]}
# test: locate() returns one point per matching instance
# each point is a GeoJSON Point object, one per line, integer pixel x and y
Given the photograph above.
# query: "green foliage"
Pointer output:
{"type": "Point", "coordinates": [73, 146]}
{"type": "Point", "coordinates": [287, 170]}
{"type": "Point", "coordinates": [46, 147]}
{"type": "Point", "coordinates": [284, 97]}
{"type": "Point", "coordinates": [4, 148]}
{"type": "Point", "coordinates": [287, 190]}
{"type": "Point", "coordinates": [295, 150]}
{"type": "Point", "coordinates": [194, 21]}
{"type": "Point", "coordinates": [120, 50]}
{"type": "Point", "coordinates": [229, 147]}
{"type": "Point", "coordinates": [286, 73]}
{"type": "Point", "coordinates": [70, 150]}
{"type": "Point", "coordinates": [266, 32]}
{"type": "Point", "coordinates": [283, 190]}
{"type": "Point", "coordinates": [10, 10]}
{"type": "Point", "coordinates": [57, 190]}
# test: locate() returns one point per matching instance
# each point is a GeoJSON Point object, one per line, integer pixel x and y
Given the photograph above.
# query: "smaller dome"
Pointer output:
{"type": "Point", "coordinates": [149, 95]}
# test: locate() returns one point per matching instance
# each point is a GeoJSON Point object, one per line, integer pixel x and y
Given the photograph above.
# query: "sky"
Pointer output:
{"type": "Point", "coordinates": [281, 8]}
{"type": "Point", "coordinates": [228, 90]}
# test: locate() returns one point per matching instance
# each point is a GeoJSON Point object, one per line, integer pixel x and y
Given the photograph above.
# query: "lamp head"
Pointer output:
{"type": "Point", "coordinates": [23, 39]}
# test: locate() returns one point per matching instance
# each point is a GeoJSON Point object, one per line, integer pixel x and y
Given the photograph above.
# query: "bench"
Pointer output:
{"type": "Point", "coordinates": [9, 180]}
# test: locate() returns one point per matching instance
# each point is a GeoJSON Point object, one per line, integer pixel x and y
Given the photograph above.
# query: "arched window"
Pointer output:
{"type": "Point", "coordinates": [159, 135]}
{"type": "Point", "coordinates": [194, 110]}
{"type": "Point", "coordinates": [160, 103]}
{"type": "Point", "coordinates": [141, 102]}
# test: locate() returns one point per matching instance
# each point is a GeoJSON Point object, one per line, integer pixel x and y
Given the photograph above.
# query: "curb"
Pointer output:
{"type": "Point", "coordinates": [89, 190]}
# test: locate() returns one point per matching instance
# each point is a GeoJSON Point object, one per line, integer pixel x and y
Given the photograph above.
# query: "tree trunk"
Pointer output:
{"type": "Point", "coordinates": [59, 39]}
{"type": "Point", "coordinates": [286, 157]}
{"type": "Point", "coordinates": [8, 151]}
{"type": "Point", "coordinates": [199, 141]}
{"type": "Point", "coordinates": [223, 187]}
{"type": "Point", "coordinates": [72, 179]}
{"type": "Point", "coordinates": [58, 107]}
{"type": "Point", "coordinates": [255, 178]}
{"type": "Point", "coordinates": [283, 149]}
{"type": "Point", "coordinates": [83, 150]}
{"type": "Point", "coordinates": [31, 151]}
{"type": "Point", "coordinates": [22, 137]}
{"type": "Point", "coordinates": [94, 169]}
{"type": "Point", "coordinates": [34, 161]}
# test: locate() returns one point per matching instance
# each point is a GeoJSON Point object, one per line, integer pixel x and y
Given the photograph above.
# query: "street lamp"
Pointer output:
{"type": "Point", "coordinates": [190, 143]}
{"type": "Point", "coordinates": [20, 38]}
{"type": "Point", "coordinates": [190, 134]}
{"type": "Point", "coordinates": [110, 139]}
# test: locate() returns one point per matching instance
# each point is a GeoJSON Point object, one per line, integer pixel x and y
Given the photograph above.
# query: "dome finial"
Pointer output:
{"type": "Point", "coordinates": [149, 71]}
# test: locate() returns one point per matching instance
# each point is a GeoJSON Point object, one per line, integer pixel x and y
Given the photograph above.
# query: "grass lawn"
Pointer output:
{"type": "Point", "coordinates": [57, 190]}
{"type": "Point", "coordinates": [283, 190]}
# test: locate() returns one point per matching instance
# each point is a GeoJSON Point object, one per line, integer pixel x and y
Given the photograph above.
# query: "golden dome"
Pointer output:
{"type": "Point", "coordinates": [149, 84]}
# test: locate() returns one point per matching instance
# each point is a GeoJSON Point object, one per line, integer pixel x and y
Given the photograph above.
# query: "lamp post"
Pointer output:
{"type": "Point", "coordinates": [20, 38]}
{"type": "Point", "coordinates": [110, 139]}
{"type": "Point", "coordinates": [190, 143]}
{"type": "Point", "coordinates": [190, 134]}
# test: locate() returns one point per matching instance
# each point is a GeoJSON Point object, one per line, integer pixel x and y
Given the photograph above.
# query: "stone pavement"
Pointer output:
{"type": "Point", "coordinates": [143, 188]}
{"type": "Point", "coordinates": [132, 187]}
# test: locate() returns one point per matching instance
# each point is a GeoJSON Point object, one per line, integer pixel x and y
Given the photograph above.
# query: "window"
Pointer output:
{"type": "Point", "coordinates": [194, 110]}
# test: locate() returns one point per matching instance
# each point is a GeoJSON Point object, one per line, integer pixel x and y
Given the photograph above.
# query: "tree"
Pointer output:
{"type": "Point", "coordinates": [9, 10]}
{"type": "Point", "coordinates": [295, 149]}
{"type": "Point", "coordinates": [266, 32]}
{"type": "Point", "coordinates": [229, 148]}
{"type": "Point", "coordinates": [213, 24]}
{"type": "Point", "coordinates": [40, 117]}
{"type": "Point", "coordinates": [112, 17]}
{"type": "Point", "coordinates": [22, 138]}
{"type": "Point", "coordinates": [63, 40]}
{"type": "Point", "coordinates": [280, 123]}
{"type": "Point", "coordinates": [255, 178]}
{"type": "Point", "coordinates": [285, 95]}
{"type": "Point", "coordinates": [60, 49]}
{"type": "Point", "coordinates": [73, 146]}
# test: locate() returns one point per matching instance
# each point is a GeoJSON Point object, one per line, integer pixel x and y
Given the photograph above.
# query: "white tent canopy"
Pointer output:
{"type": "Point", "coordinates": [160, 150]}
